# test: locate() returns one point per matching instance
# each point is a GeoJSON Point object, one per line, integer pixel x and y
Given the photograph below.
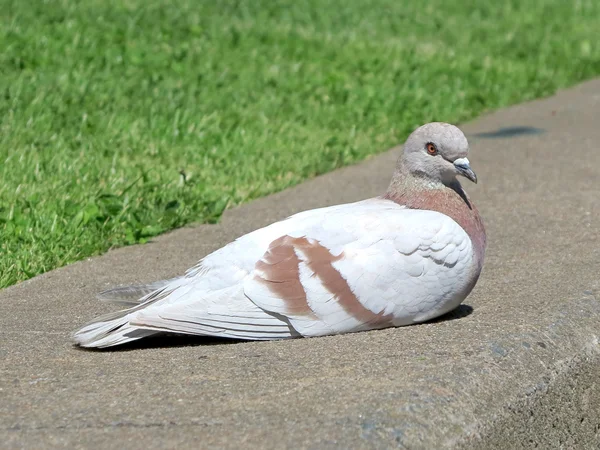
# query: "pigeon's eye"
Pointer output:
{"type": "Point", "coordinates": [431, 148]}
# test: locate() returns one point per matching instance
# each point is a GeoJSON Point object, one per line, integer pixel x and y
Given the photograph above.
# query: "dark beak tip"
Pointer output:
{"type": "Point", "coordinates": [467, 172]}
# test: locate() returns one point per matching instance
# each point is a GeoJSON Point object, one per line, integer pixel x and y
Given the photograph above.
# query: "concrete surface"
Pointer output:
{"type": "Point", "coordinates": [516, 368]}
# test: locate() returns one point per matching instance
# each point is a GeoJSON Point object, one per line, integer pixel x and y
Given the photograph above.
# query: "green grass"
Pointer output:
{"type": "Point", "coordinates": [121, 119]}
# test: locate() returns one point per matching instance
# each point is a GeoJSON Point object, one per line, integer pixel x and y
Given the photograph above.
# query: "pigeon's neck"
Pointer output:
{"type": "Point", "coordinates": [418, 192]}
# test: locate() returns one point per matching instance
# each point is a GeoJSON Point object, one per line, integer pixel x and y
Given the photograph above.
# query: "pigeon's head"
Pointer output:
{"type": "Point", "coordinates": [438, 151]}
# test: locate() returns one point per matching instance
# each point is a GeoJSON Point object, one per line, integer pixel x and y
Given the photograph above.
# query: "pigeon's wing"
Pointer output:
{"type": "Point", "coordinates": [210, 299]}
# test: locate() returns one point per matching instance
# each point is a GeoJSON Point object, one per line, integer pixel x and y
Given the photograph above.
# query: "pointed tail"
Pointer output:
{"type": "Point", "coordinates": [109, 330]}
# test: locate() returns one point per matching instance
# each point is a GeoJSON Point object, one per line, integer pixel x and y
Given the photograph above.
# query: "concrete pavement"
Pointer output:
{"type": "Point", "coordinates": [517, 366]}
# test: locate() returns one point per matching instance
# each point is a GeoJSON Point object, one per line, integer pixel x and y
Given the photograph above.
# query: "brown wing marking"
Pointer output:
{"type": "Point", "coordinates": [279, 270]}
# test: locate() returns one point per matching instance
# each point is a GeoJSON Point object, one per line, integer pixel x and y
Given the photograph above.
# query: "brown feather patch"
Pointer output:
{"type": "Point", "coordinates": [280, 269]}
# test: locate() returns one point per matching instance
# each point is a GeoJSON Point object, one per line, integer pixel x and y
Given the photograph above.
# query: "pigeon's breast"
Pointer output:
{"type": "Point", "coordinates": [455, 205]}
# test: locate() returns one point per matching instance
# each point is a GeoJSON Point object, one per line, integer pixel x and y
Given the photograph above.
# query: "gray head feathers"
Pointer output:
{"type": "Point", "coordinates": [438, 152]}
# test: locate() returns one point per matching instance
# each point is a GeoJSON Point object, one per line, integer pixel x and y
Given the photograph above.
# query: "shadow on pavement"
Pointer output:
{"type": "Point", "coordinates": [458, 313]}
{"type": "Point", "coordinates": [509, 132]}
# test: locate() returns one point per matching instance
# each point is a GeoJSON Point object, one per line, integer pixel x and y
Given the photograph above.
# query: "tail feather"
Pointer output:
{"type": "Point", "coordinates": [108, 330]}
{"type": "Point", "coordinates": [115, 328]}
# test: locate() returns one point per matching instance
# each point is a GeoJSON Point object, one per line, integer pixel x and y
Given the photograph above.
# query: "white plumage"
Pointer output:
{"type": "Point", "coordinates": [346, 268]}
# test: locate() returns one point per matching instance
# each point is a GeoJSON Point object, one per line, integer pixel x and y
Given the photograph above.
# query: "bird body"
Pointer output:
{"type": "Point", "coordinates": [408, 256]}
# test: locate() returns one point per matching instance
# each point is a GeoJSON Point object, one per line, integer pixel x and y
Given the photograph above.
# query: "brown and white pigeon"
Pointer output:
{"type": "Point", "coordinates": [408, 256]}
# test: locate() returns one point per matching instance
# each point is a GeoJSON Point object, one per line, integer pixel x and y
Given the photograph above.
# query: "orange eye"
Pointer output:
{"type": "Point", "coordinates": [431, 148]}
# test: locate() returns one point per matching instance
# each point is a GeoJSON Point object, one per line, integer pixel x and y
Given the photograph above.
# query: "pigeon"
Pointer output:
{"type": "Point", "coordinates": [405, 257]}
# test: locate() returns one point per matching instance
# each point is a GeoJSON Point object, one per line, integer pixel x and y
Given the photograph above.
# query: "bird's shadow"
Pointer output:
{"type": "Point", "coordinates": [165, 340]}
{"type": "Point", "coordinates": [460, 312]}
{"type": "Point", "coordinates": [170, 340]}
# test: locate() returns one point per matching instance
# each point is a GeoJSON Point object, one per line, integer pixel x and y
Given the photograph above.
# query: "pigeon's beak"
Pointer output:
{"type": "Point", "coordinates": [464, 168]}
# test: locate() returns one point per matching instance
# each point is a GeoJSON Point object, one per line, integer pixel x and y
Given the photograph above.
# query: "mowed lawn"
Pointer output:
{"type": "Point", "coordinates": [121, 119]}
